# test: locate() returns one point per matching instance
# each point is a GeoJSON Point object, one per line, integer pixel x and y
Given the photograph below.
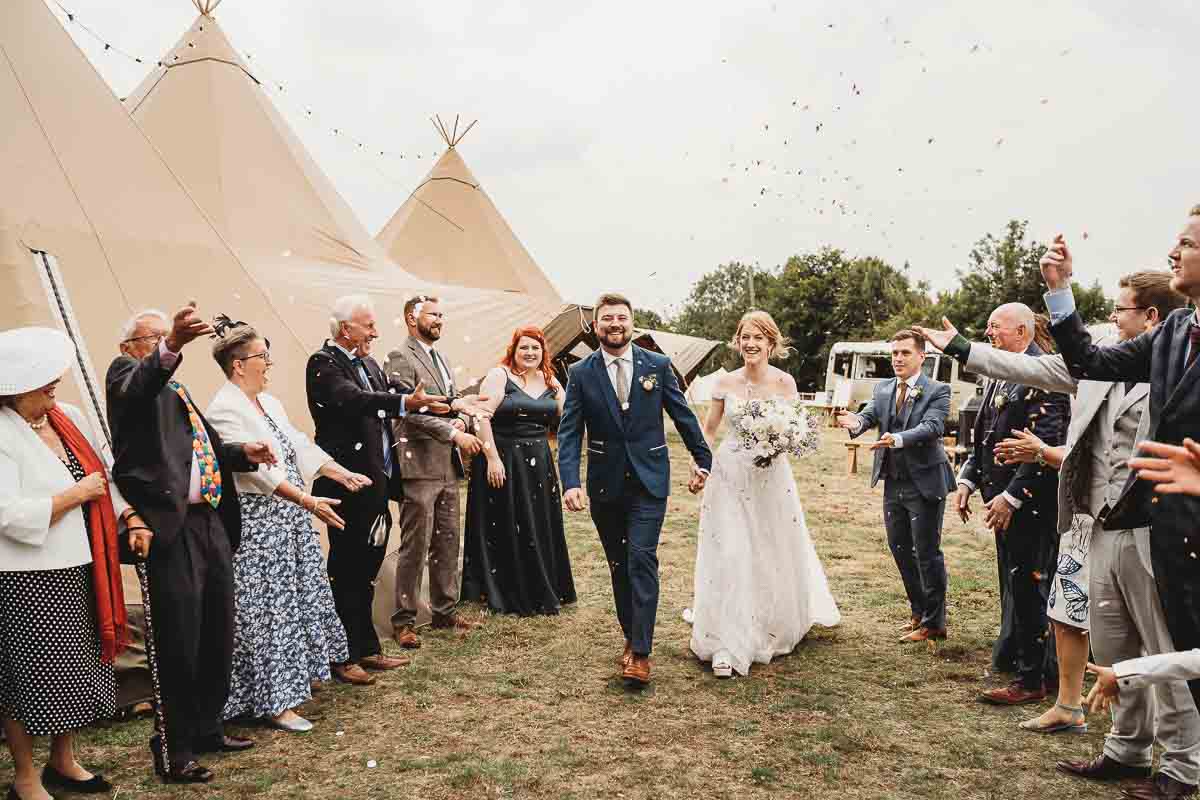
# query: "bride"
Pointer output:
{"type": "Point", "coordinates": [759, 584]}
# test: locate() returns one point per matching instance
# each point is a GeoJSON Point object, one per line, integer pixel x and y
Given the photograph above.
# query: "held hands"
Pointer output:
{"type": "Point", "coordinates": [496, 475]}
{"type": "Point", "coordinates": [1057, 265]}
{"type": "Point", "coordinates": [698, 479]}
{"type": "Point", "coordinates": [458, 424]}
{"type": "Point", "coordinates": [575, 499]}
{"type": "Point", "coordinates": [259, 453]}
{"type": "Point", "coordinates": [1022, 448]}
{"type": "Point", "coordinates": [185, 327]}
{"type": "Point", "coordinates": [962, 502]}
{"type": "Point", "coordinates": [998, 514]}
{"type": "Point", "coordinates": [468, 444]}
{"type": "Point", "coordinates": [91, 487]}
{"type": "Point", "coordinates": [887, 440]}
{"type": "Point", "coordinates": [939, 339]}
{"type": "Point", "coordinates": [421, 402]}
{"type": "Point", "coordinates": [1105, 691]}
{"type": "Point", "coordinates": [1176, 470]}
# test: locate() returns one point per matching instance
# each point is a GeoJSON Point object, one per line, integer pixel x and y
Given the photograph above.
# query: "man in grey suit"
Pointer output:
{"type": "Point", "coordinates": [430, 465]}
{"type": "Point", "coordinates": [910, 411]}
{"type": "Point", "coordinates": [1104, 579]}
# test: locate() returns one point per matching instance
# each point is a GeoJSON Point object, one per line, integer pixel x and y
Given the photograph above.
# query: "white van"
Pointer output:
{"type": "Point", "coordinates": [864, 364]}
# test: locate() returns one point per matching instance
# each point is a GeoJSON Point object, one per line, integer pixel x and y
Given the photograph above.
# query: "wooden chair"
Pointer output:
{"type": "Point", "coordinates": [852, 457]}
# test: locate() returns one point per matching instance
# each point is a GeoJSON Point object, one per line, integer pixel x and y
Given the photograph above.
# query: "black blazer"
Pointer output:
{"type": "Point", "coordinates": [152, 448]}
{"type": "Point", "coordinates": [1047, 414]}
{"type": "Point", "coordinates": [349, 420]}
{"type": "Point", "coordinates": [1157, 356]}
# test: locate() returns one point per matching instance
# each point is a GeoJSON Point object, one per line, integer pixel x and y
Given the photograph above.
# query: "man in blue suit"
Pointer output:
{"type": "Point", "coordinates": [910, 411]}
{"type": "Point", "coordinates": [618, 395]}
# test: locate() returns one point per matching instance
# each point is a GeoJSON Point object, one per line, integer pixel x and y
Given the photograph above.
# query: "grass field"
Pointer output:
{"type": "Point", "coordinates": [532, 708]}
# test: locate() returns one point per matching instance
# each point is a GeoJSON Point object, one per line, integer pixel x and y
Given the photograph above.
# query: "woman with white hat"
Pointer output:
{"type": "Point", "coordinates": [62, 613]}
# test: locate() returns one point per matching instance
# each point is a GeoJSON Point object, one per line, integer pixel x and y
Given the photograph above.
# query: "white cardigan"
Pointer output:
{"type": "Point", "coordinates": [233, 414]}
{"type": "Point", "coordinates": [30, 475]}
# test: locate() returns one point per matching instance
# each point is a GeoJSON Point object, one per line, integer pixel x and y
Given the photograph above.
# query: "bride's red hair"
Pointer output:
{"type": "Point", "coordinates": [510, 355]}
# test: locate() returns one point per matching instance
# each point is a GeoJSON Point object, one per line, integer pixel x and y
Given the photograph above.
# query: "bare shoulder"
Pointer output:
{"type": "Point", "coordinates": [783, 380]}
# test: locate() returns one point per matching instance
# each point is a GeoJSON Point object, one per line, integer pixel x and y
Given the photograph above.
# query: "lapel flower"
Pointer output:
{"type": "Point", "coordinates": [914, 394]}
{"type": "Point", "coordinates": [650, 382]}
{"type": "Point", "coordinates": [1000, 400]}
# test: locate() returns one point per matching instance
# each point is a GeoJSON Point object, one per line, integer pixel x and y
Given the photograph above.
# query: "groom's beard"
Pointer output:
{"type": "Point", "coordinates": [617, 339]}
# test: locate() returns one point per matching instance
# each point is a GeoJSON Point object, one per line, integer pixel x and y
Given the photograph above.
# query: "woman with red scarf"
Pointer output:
{"type": "Point", "coordinates": [62, 613]}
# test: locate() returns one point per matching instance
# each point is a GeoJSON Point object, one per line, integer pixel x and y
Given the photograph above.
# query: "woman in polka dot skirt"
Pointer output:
{"type": "Point", "coordinates": [61, 609]}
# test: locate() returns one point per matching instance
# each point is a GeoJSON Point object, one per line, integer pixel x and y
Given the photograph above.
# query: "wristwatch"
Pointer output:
{"type": "Point", "coordinates": [1040, 458]}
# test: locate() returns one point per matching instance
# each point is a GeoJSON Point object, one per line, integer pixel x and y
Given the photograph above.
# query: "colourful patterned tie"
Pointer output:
{"type": "Point", "coordinates": [206, 459]}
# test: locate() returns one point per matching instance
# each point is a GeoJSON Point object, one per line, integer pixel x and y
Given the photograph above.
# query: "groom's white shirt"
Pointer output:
{"type": "Point", "coordinates": [609, 360]}
{"type": "Point", "coordinates": [897, 440]}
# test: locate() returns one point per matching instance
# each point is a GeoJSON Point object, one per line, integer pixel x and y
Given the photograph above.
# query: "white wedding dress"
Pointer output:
{"type": "Point", "coordinates": [759, 584]}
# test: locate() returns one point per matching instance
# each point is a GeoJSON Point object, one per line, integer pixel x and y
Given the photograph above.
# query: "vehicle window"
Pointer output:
{"type": "Point", "coordinates": [969, 377]}
{"type": "Point", "coordinates": [871, 366]}
{"type": "Point", "coordinates": [945, 369]}
{"type": "Point", "coordinates": [927, 367]}
{"type": "Point", "coordinates": [841, 364]}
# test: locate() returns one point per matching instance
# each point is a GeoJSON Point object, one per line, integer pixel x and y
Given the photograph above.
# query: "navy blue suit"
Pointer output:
{"type": "Point", "coordinates": [917, 477]}
{"type": "Point", "coordinates": [629, 473]}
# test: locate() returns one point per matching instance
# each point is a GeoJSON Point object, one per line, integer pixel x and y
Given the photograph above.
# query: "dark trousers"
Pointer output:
{"type": "Point", "coordinates": [1177, 578]}
{"type": "Point", "coordinates": [1025, 556]}
{"type": "Point", "coordinates": [353, 565]}
{"type": "Point", "coordinates": [629, 528]}
{"type": "Point", "coordinates": [191, 598]}
{"type": "Point", "coordinates": [914, 531]}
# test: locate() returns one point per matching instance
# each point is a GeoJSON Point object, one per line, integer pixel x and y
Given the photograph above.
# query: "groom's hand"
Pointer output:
{"type": "Point", "coordinates": [848, 420]}
{"type": "Point", "coordinates": [575, 500]}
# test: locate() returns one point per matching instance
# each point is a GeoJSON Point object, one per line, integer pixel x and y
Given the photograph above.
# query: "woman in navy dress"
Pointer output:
{"type": "Point", "coordinates": [515, 551]}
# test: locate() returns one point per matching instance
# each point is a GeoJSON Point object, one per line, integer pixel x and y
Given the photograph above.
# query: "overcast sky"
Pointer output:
{"type": "Point", "coordinates": [636, 145]}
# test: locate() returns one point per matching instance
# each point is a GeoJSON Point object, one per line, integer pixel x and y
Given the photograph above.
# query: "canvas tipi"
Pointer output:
{"type": "Point", "coordinates": [450, 231]}
{"type": "Point", "coordinates": [206, 111]}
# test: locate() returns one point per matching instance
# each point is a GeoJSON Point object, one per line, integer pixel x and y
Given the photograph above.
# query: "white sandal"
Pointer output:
{"type": "Point", "coordinates": [720, 665]}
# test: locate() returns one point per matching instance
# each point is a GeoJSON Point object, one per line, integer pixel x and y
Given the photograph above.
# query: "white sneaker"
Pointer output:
{"type": "Point", "coordinates": [720, 665]}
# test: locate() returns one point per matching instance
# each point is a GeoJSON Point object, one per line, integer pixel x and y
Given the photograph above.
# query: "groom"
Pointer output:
{"type": "Point", "coordinates": [910, 411]}
{"type": "Point", "coordinates": [618, 394]}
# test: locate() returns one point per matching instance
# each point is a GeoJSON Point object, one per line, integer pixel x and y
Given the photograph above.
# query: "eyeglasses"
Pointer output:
{"type": "Point", "coordinates": [157, 337]}
{"type": "Point", "coordinates": [265, 355]}
{"type": "Point", "coordinates": [1118, 309]}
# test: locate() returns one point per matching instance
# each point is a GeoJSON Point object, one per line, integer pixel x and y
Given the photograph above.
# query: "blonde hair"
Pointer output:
{"type": "Point", "coordinates": [764, 324]}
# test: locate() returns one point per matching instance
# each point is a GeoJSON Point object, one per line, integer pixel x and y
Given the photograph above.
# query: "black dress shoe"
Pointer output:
{"type": "Point", "coordinates": [222, 744]}
{"type": "Point", "coordinates": [1102, 768]}
{"type": "Point", "coordinates": [94, 785]}
{"type": "Point", "coordinates": [191, 772]}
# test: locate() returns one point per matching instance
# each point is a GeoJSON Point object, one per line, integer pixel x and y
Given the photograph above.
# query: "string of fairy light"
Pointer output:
{"type": "Point", "coordinates": [371, 154]}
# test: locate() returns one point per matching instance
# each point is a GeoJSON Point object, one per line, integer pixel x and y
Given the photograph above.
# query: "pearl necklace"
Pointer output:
{"type": "Point", "coordinates": [38, 424]}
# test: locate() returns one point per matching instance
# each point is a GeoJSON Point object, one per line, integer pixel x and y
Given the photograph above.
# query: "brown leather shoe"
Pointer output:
{"type": "Point", "coordinates": [637, 672]}
{"type": "Point", "coordinates": [380, 662]}
{"type": "Point", "coordinates": [1102, 768]}
{"type": "Point", "coordinates": [924, 635]}
{"type": "Point", "coordinates": [1160, 787]}
{"type": "Point", "coordinates": [406, 637]}
{"type": "Point", "coordinates": [627, 656]}
{"type": "Point", "coordinates": [352, 673]}
{"type": "Point", "coordinates": [912, 625]}
{"type": "Point", "coordinates": [1013, 695]}
{"type": "Point", "coordinates": [456, 621]}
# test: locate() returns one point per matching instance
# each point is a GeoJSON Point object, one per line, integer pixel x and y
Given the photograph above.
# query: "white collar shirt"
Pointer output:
{"type": "Point", "coordinates": [627, 358]}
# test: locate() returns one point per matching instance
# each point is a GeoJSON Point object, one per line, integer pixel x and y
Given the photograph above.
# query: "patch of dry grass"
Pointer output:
{"type": "Point", "coordinates": [532, 708]}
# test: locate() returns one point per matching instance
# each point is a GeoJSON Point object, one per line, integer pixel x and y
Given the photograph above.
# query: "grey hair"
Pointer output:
{"type": "Point", "coordinates": [1020, 314]}
{"type": "Point", "coordinates": [232, 346]}
{"type": "Point", "coordinates": [344, 308]}
{"type": "Point", "coordinates": [131, 324]}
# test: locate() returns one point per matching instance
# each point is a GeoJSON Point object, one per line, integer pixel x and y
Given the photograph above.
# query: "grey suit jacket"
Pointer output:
{"type": "Point", "coordinates": [1050, 372]}
{"type": "Point", "coordinates": [423, 442]}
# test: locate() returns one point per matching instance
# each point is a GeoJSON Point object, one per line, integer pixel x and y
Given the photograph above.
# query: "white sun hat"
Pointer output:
{"type": "Point", "coordinates": [31, 358]}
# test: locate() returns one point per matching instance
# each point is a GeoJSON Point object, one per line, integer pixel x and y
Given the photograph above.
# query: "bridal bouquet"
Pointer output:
{"type": "Point", "coordinates": [766, 428]}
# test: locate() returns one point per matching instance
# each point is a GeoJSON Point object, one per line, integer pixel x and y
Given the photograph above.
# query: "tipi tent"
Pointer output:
{"type": "Point", "coordinates": [450, 231]}
{"type": "Point", "coordinates": [206, 111]}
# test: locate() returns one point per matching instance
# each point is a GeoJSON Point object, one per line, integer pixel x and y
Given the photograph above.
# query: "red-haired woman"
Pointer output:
{"type": "Point", "coordinates": [515, 551]}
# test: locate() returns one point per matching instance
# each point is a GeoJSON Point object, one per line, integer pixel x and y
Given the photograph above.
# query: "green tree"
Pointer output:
{"type": "Point", "coordinates": [1004, 269]}
{"type": "Point", "coordinates": [647, 318]}
{"type": "Point", "coordinates": [716, 303]}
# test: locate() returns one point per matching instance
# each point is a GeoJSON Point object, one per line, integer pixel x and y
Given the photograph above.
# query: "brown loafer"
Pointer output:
{"type": "Point", "coordinates": [1160, 787]}
{"type": "Point", "coordinates": [627, 656]}
{"type": "Point", "coordinates": [456, 621]}
{"type": "Point", "coordinates": [924, 635]}
{"type": "Point", "coordinates": [406, 637]}
{"type": "Point", "coordinates": [911, 625]}
{"type": "Point", "coordinates": [1013, 695]}
{"type": "Point", "coordinates": [1102, 768]}
{"type": "Point", "coordinates": [352, 673]}
{"type": "Point", "coordinates": [379, 662]}
{"type": "Point", "coordinates": [637, 672]}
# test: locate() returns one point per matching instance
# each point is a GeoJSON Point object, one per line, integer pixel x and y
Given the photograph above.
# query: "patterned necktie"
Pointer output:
{"type": "Point", "coordinates": [622, 384]}
{"type": "Point", "coordinates": [206, 459]}
{"type": "Point", "coordinates": [901, 396]}
{"type": "Point", "coordinates": [1193, 343]}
